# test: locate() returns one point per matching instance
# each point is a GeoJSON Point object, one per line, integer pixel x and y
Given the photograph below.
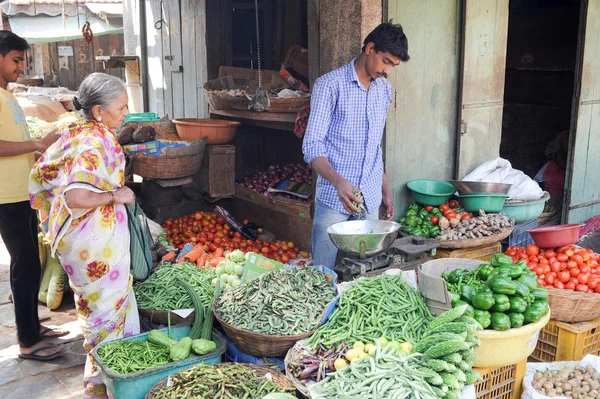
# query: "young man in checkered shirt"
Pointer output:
{"type": "Point", "coordinates": [343, 137]}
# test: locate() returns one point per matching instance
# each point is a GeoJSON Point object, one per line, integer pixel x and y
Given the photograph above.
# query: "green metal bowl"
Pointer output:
{"type": "Point", "coordinates": [489, 202]}
{"type": "Point", "coordinates": [430, 192]}
{"type": "Point", "coordinates": [524, 211]}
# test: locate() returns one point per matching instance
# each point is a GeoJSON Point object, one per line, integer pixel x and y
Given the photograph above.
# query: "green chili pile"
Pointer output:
{"type": "Point", "coordinates": [225, 380]}
{"type": "Point", "coordinates": [284, 302]}
{"type": "Point", "coordinates": [382, 306]}
{"type": "Point", "coordinates": [161, 291]}
{"type": "Point", "coordinates": [383, 375]}
{"type": "Point", "coordinates": [127, 357]}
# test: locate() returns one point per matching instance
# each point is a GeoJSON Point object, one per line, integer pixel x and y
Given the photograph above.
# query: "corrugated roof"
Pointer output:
{"type": "Point", "coordinates": [56, 7]}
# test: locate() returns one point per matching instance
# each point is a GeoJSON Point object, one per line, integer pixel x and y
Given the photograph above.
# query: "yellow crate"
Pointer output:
{"type": "Point", "coordinates": [560, 341]}
{"type": "Point", "coordinates": [501, 383]}
{"type": "Point", "coordinates": [480, 253]}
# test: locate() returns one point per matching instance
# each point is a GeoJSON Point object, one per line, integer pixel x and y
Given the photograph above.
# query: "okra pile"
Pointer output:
{"type": "Point", "coordinates": [283, 302]}
{"type": "Point", "coordinates": [499, 295]}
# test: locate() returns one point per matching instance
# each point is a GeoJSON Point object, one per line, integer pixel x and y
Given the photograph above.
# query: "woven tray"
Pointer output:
{"type": "Point", "coordinates": [294, 355]}
{"type": "Point", "coordinates": [573, 307]}
{"type": "Point", "coordinates": [473, 242]}
{"type": "Point", "coordinates": [162, 317]}
{"type": "Point", "coordinates": [287, 105]}
{"type": "Point", "coordinates": [278, 378]}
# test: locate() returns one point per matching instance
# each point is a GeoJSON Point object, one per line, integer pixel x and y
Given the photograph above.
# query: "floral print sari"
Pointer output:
{"type": "Point", "coordinates": [92, 244]}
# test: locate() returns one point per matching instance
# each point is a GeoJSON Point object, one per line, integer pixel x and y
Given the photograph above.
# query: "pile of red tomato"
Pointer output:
{"type": "Point", "coordinates": [212, 231]}
{"type": "Point", "coordinates": [570, 268]}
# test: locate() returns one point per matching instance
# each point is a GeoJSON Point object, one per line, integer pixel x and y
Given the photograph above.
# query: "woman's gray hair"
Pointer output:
{"type": "Point", "coordinates": [97, 89]}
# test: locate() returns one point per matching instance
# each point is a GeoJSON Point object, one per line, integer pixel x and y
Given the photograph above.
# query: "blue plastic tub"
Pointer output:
{"type": "Point", "coordinates": [137, 385]}
{"type": "Point", "coordinates": [235, 355]}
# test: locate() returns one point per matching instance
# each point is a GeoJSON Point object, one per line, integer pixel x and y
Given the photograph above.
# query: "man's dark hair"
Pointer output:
{"type": "Point", "coordinates": [389, 38]}
{"type": "Point", "coordinates": [9, 42]}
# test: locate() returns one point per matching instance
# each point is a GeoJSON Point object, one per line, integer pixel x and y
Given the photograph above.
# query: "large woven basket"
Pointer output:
{"type": "Point", "coordinates": [572, 307]}
{"type": "Point", "coordinates": [294, 355]}
{"type": "Point", "coordinates": [176, 163]}
{"type": "Point", "coordinates": [261, 345]}
{"type": "Point", "coordinates": [278, 378]}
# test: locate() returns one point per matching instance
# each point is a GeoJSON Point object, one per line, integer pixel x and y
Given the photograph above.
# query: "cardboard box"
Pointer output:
{"type": "Point", "coordinates": [433, 286]}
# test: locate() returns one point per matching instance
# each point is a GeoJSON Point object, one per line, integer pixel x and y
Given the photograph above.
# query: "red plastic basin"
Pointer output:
{"type": "Point", "coordinates": [555, 236]}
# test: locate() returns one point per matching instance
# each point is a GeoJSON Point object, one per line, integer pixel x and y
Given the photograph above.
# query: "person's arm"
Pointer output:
{"type": "Point", "coordinates": [14, 148]}
{"type": "Point", "coordinates": [388, 201]}
{"type": "Point", "coordinates": [86, 199]}
{"type": "Point", "coordinates": [322, 105]}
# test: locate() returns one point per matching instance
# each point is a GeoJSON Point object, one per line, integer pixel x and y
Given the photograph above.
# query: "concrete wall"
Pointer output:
{"type": "Point", "coordinates": [131, 29]}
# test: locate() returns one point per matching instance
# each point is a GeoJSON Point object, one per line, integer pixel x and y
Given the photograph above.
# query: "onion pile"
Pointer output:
{"type": "Point", "coordinates": [261, 181]}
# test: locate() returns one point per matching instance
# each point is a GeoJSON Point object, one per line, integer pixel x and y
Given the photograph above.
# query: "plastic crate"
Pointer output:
{"type": "Point", "coordinates": [520, 237]}
{"type": "Point", "coordinates": [481, 253]}
{"type": "Point", "coordinates": [234, 355]}
{"type": "Point", "coordinates": [501, 383]}
{"type": "Point", "coordinates": [137, 385]}
{"type": "Point", "coordinates": [560, 341]}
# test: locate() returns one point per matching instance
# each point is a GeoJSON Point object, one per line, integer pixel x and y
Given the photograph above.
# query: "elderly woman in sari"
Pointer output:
{"type": "Point", "coordinates": [79, 188]}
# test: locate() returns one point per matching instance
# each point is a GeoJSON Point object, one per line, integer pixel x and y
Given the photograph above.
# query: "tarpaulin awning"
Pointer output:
{"type": "Point", "coordinates": [46, 29]}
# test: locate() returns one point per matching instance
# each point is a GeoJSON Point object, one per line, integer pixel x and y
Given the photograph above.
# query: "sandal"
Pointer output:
{"type": "Point", "coordinates": [59, 333]}
{"type": "Point", "coordinates": [33, 356]}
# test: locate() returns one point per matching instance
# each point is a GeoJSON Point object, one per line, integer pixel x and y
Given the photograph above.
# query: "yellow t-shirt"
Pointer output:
{"type": "Point", "coordinates": [14, 171]}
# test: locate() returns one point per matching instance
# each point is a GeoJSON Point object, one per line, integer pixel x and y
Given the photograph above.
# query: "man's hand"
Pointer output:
{"type": "Point", "coordinates": [344, 190]}
{"type": "Point", "coordinates": [47, 141]}
{"type": "Point", "coordinates": [387, 209]}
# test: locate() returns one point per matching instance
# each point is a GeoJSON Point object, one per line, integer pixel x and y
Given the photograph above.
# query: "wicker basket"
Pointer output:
{"type": "Point", "coordinates": [177, 162]}
{"type": "Point", "coordinates": [262, 345]}
{"type": "Point", "coordinates": [294, 355]}
{"type": "Point", "coordinates": [572, 307]}
{"type": "Point", "coordinates": [278, 378]}
{"type": "Point", "coordinates": [287, 105]}
{"type": "Point", "coordinates": [162, 317]}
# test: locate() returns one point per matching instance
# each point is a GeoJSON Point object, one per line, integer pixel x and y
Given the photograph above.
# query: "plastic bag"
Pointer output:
{"type": "Point", "coordinates": [500, 170]}
{"type": "Point", "coordinates": [532, 368]}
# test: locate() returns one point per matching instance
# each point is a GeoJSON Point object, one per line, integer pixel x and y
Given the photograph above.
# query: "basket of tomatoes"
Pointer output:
{"type": "Point", "coordinates": [572, 276]}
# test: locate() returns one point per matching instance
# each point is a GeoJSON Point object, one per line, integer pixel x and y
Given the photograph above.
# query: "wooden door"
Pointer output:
{"type": "Point", "coordinates": [485, 30]}
{"type": "Point", "coordinates": [582, 185]}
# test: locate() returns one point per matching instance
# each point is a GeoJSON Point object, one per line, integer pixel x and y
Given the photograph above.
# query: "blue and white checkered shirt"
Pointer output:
{"type": "Point", "coordinates": [346, 126]}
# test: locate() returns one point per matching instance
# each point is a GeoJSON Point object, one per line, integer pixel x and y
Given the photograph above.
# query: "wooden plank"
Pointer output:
{"type": "Point", "coordinates": [265, 119]}
{"type": "Point", "coordinates": [173, 16]}
{"type": "Point", "coordinates": [201, 57]}
{"type": "Point", "coordinates": [314, 40]}
{"type": "Point", "coordinates": [483, 72]}
{"type": "Point", "coordinates": [421, 125]}
{"type": "Point", "coordinates": [582, 183]}
{"type": "Point", "coordinates": [156, 78]}
{"type": "Point", "coordinates": [296, 208]}
{"type": "Point", "coordinates": [165, 33]}
{"type": "Point", "coordinates": [189, 41]}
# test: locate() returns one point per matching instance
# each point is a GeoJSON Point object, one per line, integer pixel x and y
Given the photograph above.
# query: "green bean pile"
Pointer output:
{"type": "Point", "coordinates": [127, 357]}
{"type": "Point", "coordinates": [161, 291]}
{"type": "Point", "coordinates": [284, 302]}
{"type": "Point", "coordinates": [382, 375]}
{"type": "Point", "coordinates": [225, 380]}
{"type": "Point", "coordinates": [382, 306]}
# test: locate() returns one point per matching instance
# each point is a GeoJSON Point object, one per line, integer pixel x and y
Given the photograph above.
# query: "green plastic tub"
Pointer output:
{"type": "Point", "coordinates": [489, 202]}
{"type": "Point", "coordinates": [525, 211]}
{"type": "Point", "coordinates": [141, 117]}
{"type": "Point", "coordinates": [430, 192]}
{"type": "Point", "coordinates": [137, 385]}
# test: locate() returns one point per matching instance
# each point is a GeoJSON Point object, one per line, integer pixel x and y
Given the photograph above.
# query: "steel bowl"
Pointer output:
{"type": "Point", "coordinates": [363, 238]}
{"type": "Point", "coordinates": [471, 187]}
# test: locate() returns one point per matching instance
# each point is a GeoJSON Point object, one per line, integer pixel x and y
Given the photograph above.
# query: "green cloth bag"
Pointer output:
{"type": "Point", "coordinates": [140, 242]}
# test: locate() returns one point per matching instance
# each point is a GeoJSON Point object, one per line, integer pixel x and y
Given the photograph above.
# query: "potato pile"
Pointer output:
{"type": "Point", "coordinates": [574, 383]}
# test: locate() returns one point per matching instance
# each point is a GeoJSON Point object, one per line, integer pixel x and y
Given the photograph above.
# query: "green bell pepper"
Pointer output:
{"type": "Point", "coordinates": [535, 311]}
{"type": "Point", "coordinates": [518, 305]}
{"type": "Point", "coordinates": [468, 312]}
{"type": "Point", "coordinates": [423, 213]}
{"type": "Point", "coordinates": [426, 232]}
{"type": "Point", "coordinates": [455, 275]}
{"type": "Point", "coordinates": [414, 206]}
{"type": "Point", "coordinates": [484, 270]}
{"type": "Point", "coordinates": [521, 289]}
{"type": "Point", "coordinates": [402, 220]}
{"type": "Point", "coordinates": [483, 317]}
{"type": "Point", "coordinates": [417, 232]}
{"type": "Point", "coordinates": [540, 294]}
{"type": "Point", "coordinates": [483, 300]}
{"type": "Point", "coordinates": [412, 221]}
{"type": "Point", "coordinates": [529, 280]}
{"type": "Point", "coordinates": [411, 212]}
{"type": "Point", "coordinates": [435, 231]}
{"type": "Point", "coordinates": [437, 212]}
{"type": "Point", "coordinates": [408, 229]}
{"type": "Point", "coordinates": [500, 259]}
{"type": "Point", "coordinates": [419, 221]}
{"type": "Point", "coordinates": [516, 320]}
{"type": "Point", "coordinates": [522, 264]}
{"type": "Point", "coordinates": [511, 271]}
{"type": "Point", "coordinates": [454, 298]}
{"type": "Point", "coordinates": [501, 303]}
{"type": "Point", "coordinates": [467, 292]}
{"type": "Point", "coordinates": [502, 285]}
{"type": "Point", "coordinates": [500, 321]}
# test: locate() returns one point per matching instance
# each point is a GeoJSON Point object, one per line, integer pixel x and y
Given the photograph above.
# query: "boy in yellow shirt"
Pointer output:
{"type": "Point", "coordinates": [18, 222]}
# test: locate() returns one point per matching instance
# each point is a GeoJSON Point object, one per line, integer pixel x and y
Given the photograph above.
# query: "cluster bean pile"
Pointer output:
{"type": "Point", "coordinates": [284, 302]}
{"type": "Point", "coordinates": [127, 357]}
{"type": "Point", "coordinates": [382, 306]}
{"type": "Point", "coordinates": [225, 380]}
{"type": "Point", "coordinates": [161, 291]}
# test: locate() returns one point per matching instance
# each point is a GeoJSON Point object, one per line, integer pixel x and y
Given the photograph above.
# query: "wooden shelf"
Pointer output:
{"type": "Point", "coordinates": [299, 209]}
{"type": "Point", "coordinates": [271, 120]}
